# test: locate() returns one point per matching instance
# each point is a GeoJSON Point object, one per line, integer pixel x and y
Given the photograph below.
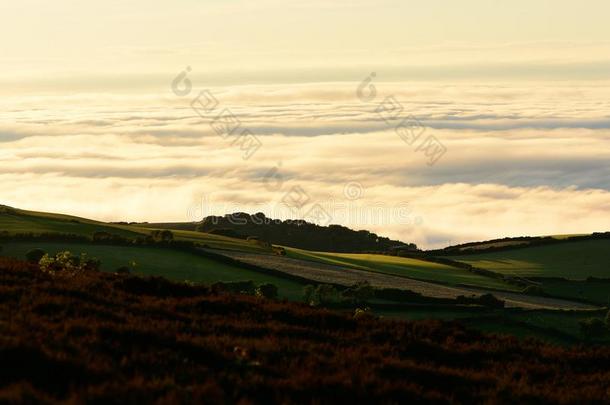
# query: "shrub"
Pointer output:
{"type": "Point", "coordinates": [360, 292]}
{"type": "Point", "coordinates": [398, 295]}
{"type": "Point", "coordinates": [308, 292]}
{"type": "Point", "coordinates": [162, 236]}
{"type": "Point", "coordinates": [489, 300]}
{"type": "Point", "coordinates": [593, 328]}
{"type": "Point", "coordinates": [239, 287]}
{"type": "Point", "coordinates": [320, 295]}
{"type": "Point", "coordinates": [154, 340]}
{"type": "Point", "coordinates": [363, 313]}
{"type": "Point", "coordinates": [123, 270]}
{"type": "Point", "coordinates": [327, 294]}
{"type": "Point", "coordinates": [280, 251]}
{"type": "Point", "coordinates": [90, 264]}
{"type": "Point", "coordinates": [267, 291]}
{"type": "Point", "coordinates": [65, 264]}
{"type": "Point", "coordinates": [34, 255]}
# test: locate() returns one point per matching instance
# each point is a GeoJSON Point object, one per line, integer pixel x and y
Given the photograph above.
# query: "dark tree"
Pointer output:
{"type": "Point", "coordinates": [34, 255]}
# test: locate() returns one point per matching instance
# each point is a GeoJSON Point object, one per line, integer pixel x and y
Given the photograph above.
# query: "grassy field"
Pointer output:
{"type": "Point", "coordinates": [564, 321]}
{"type": "Point", "coordinates": [401, 266]}
{"type": "Point", "coordinates": [320, 272]}
{"type": "Point", "coordinates": [174, 265]}
{"type": "Point", "coordinates": [510, 242]}
{"type": "Point", "coordinates": [20, 221]}
{"type": "Point", "coordinates": [593, 291]}
{"type": "Point", "coordinates": [482, 246]}
{"type": "Point", "coordinates": [572, 260]}
{"type": "Point", "coordinates": [219, 241]}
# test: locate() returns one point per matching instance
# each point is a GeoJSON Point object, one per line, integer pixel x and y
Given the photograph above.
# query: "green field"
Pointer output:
{"type": "Point", "coordinates": [505, 243]}
{"type": "Point", "coordinates": [402, 266]}
{"type": "Point", "coordinates": [174, 265]}
{"type": "Point", "coordinates": [219, 241]}
{"type": "Point", "coordinates": [488, 245]}
{"type": "Point", "coordinates": [592, 291]}
{"type": "Point", "coordinates": [20, 221]}
{"type": "Point", "coordinates": [565, 321]}
{"type": "Point", "coordinates": [572, 260]}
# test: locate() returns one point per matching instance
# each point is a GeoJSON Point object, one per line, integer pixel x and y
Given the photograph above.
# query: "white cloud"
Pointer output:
{"type": "Point", "coordinates": [151, 158]}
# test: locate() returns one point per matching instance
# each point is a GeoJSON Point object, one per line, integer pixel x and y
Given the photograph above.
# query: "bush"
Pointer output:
{"type": "Point", "coordinates": [320, 295]}
{"type": "Point", "coordinates": [90, 264]}
{"type": "Point", "coordinates": [162, 236]}
{"type": "Point", "coordinates": [308, 293]}
{"type": "Point", "coordinates": [239, 287]}
{"type": "Point", "coordinates": [34, 255]}
{"type": "Point", "coordinates": [593, 328]}
{"type": "Point", "coordinates": [123, 270]}
{"type": "Point", "coordinates": [360, 292]}
{"type": "Point", "coordinates": [280, 251]}
{"type": "Point", "coordinates": [365, 313]}
{"type": "Point", "coordinates": [327, 294]}
{"type": "Point", "coordinates": [267, 291]}
{"type": "Point", "coordinates": [66, 264]}
{"type": "Point", "coordinates": [487, 300]}
{"type": "Point", "coordinates": [399, 295]}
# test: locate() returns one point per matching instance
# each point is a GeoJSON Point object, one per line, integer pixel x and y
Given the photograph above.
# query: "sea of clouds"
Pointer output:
{"type": "Point", "coordinates": [521, 158]}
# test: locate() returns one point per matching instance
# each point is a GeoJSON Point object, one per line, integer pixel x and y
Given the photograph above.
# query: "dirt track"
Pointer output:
{"type": "Point", "coordinates": [325, 273]}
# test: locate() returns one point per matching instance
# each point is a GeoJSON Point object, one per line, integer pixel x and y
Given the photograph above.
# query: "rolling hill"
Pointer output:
{"type": "Point", "coordinates": [576, 260]}
{"type": "Point", "coordinates": [172, 264]}
{"type": "Point", "coordinates": [403, 266]}
{"type": "Point", "coordinates": [567, 266]}
{"type": "Point", "coordinates": [294, 233]}
{"type": "Point", "coordinates": [205, 258]}
{"type": "Point", "coordinates": [15, 221]}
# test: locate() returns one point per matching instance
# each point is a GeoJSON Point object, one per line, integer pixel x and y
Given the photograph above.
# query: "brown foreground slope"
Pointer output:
{"type": "Point", "coordinates": [102, 338]}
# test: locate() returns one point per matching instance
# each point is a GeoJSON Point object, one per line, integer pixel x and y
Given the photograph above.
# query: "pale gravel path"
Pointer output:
{"type": "Point", "coordinates": [326, 273]}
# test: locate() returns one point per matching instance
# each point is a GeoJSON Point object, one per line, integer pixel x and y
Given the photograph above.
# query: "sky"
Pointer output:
{"type": "Point", "coordinates": [433, 122]}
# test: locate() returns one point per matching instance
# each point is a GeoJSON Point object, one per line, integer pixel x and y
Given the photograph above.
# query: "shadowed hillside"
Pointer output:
{"type": "Point", "coordinates": [105, 338]}
{"type": "Point", "coordinates": [294, 233]}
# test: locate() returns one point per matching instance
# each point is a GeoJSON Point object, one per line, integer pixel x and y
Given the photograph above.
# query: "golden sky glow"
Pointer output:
{"type": "Point", "coordinates": [518, 92]}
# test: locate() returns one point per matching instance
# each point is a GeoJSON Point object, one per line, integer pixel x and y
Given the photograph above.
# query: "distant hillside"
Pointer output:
{"type": "Point", "coordinates": [103, 338]}
{"type": "Point", "coordinates": [23, 225]}
{"type": "Point", "coordinates": [17, 221]}
{"type": "Point", "coordinates": [298, 233]}
{"type": "Point", "coordinates": [576, 259]}
{"type": "Point", "coordinates": [511, 243]}
{"type": "Point", "coordinates": [228, 232]}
